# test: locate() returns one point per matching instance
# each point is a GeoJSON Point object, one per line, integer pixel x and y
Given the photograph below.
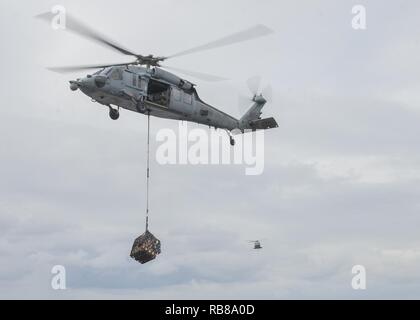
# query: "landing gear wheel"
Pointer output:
{"type": "Point", "coordinates": [114, 114]}
{"type": "Point", "coordinates": [232, 141]}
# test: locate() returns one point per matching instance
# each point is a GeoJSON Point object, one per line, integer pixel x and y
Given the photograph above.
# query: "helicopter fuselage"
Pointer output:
{"type": "Point", "coordinates": [154, 91]}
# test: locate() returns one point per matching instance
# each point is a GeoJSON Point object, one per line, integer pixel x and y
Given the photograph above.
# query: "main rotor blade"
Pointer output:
{"type": "Point", "coordinates": [248, 34]}
{"type": "Point", "coordinates": [197, 75]}
{"type": "Point", "coordinates": [72, 24]}
{"type": "Point", "coordinates": [68, 69]}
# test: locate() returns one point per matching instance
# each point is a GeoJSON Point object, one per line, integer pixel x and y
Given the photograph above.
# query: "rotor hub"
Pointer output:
{"type": "Point", "coordinates": [149, 60]}
{"type": "Point", "coordinates": [259, 99]}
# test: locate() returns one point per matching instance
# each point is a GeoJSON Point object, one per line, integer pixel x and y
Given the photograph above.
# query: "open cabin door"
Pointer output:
{"type": "Point", "coordinates": [158, 93]}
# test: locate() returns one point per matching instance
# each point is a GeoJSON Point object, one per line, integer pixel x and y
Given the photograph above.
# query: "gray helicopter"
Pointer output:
{"type": "Point", "coordinates": [143, 85]}
{"type": "Point", "coordinates": [257, 244]}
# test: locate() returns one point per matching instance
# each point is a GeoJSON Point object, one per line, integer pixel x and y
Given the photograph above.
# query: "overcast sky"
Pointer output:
{"type": "Point", "coordinates": [342, 172]}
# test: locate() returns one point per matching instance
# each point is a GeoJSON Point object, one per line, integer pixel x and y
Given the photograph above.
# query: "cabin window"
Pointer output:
{"type": "Point", "coordinates": [142, 84]}
{"type": "Point", "coordinates": [176, 94]}
{"type": "Point", "coordinates": [116, 74]}
{"type": "Point", "coordinates": [187, 98]}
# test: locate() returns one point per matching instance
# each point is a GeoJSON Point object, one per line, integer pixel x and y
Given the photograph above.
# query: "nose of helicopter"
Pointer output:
{"type": "Point", "coordinates": [88, 83]}
{"type": "Point", "coordinates": [82, 83]}
{"type": "Point", "coordinates": [74, 84]}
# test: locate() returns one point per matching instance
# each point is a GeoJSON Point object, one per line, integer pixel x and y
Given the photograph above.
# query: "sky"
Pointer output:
{"type": "Point", "coordinates": [341, 180]}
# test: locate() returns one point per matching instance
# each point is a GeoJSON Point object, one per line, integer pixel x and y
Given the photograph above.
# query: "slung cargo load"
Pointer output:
{"type": "Point", "coordinates": [145, 248]}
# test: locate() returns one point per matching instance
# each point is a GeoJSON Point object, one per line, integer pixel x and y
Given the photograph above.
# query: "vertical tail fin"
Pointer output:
{"type": "Point", "coordinates": [252, 118]}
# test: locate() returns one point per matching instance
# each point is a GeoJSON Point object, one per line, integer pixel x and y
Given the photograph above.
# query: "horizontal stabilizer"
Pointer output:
{"type": "Point", "coordinates": [268, 123]}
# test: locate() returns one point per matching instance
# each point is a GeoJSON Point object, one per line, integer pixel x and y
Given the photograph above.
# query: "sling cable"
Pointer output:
{"type": "Point", "coordinates": [146, 247]}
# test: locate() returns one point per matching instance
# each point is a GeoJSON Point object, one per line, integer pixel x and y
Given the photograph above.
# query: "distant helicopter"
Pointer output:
{"type": "Point", "coordinates": [154, 91]}
{"type": "Point", "coordinates": [257, 244]}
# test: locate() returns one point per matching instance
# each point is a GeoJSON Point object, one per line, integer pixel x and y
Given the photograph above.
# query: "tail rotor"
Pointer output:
{"type": "Point", "coordinates": [260, 96]}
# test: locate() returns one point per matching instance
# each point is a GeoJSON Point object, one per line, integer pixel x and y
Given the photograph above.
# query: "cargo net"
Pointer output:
{"type": "Point", "coordinates": [145, 248]}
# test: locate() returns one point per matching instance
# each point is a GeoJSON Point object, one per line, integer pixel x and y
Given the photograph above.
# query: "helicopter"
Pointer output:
{"type": "Point", "coordinates": [144, 86]}
{"type": "Point", "coordinates": [257, 244]}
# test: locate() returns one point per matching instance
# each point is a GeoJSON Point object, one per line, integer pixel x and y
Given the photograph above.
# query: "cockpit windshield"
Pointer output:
{"type": "Point", "coordinates": [106, 71]}
{"type": "Point", "coordinates": [114, 73]}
